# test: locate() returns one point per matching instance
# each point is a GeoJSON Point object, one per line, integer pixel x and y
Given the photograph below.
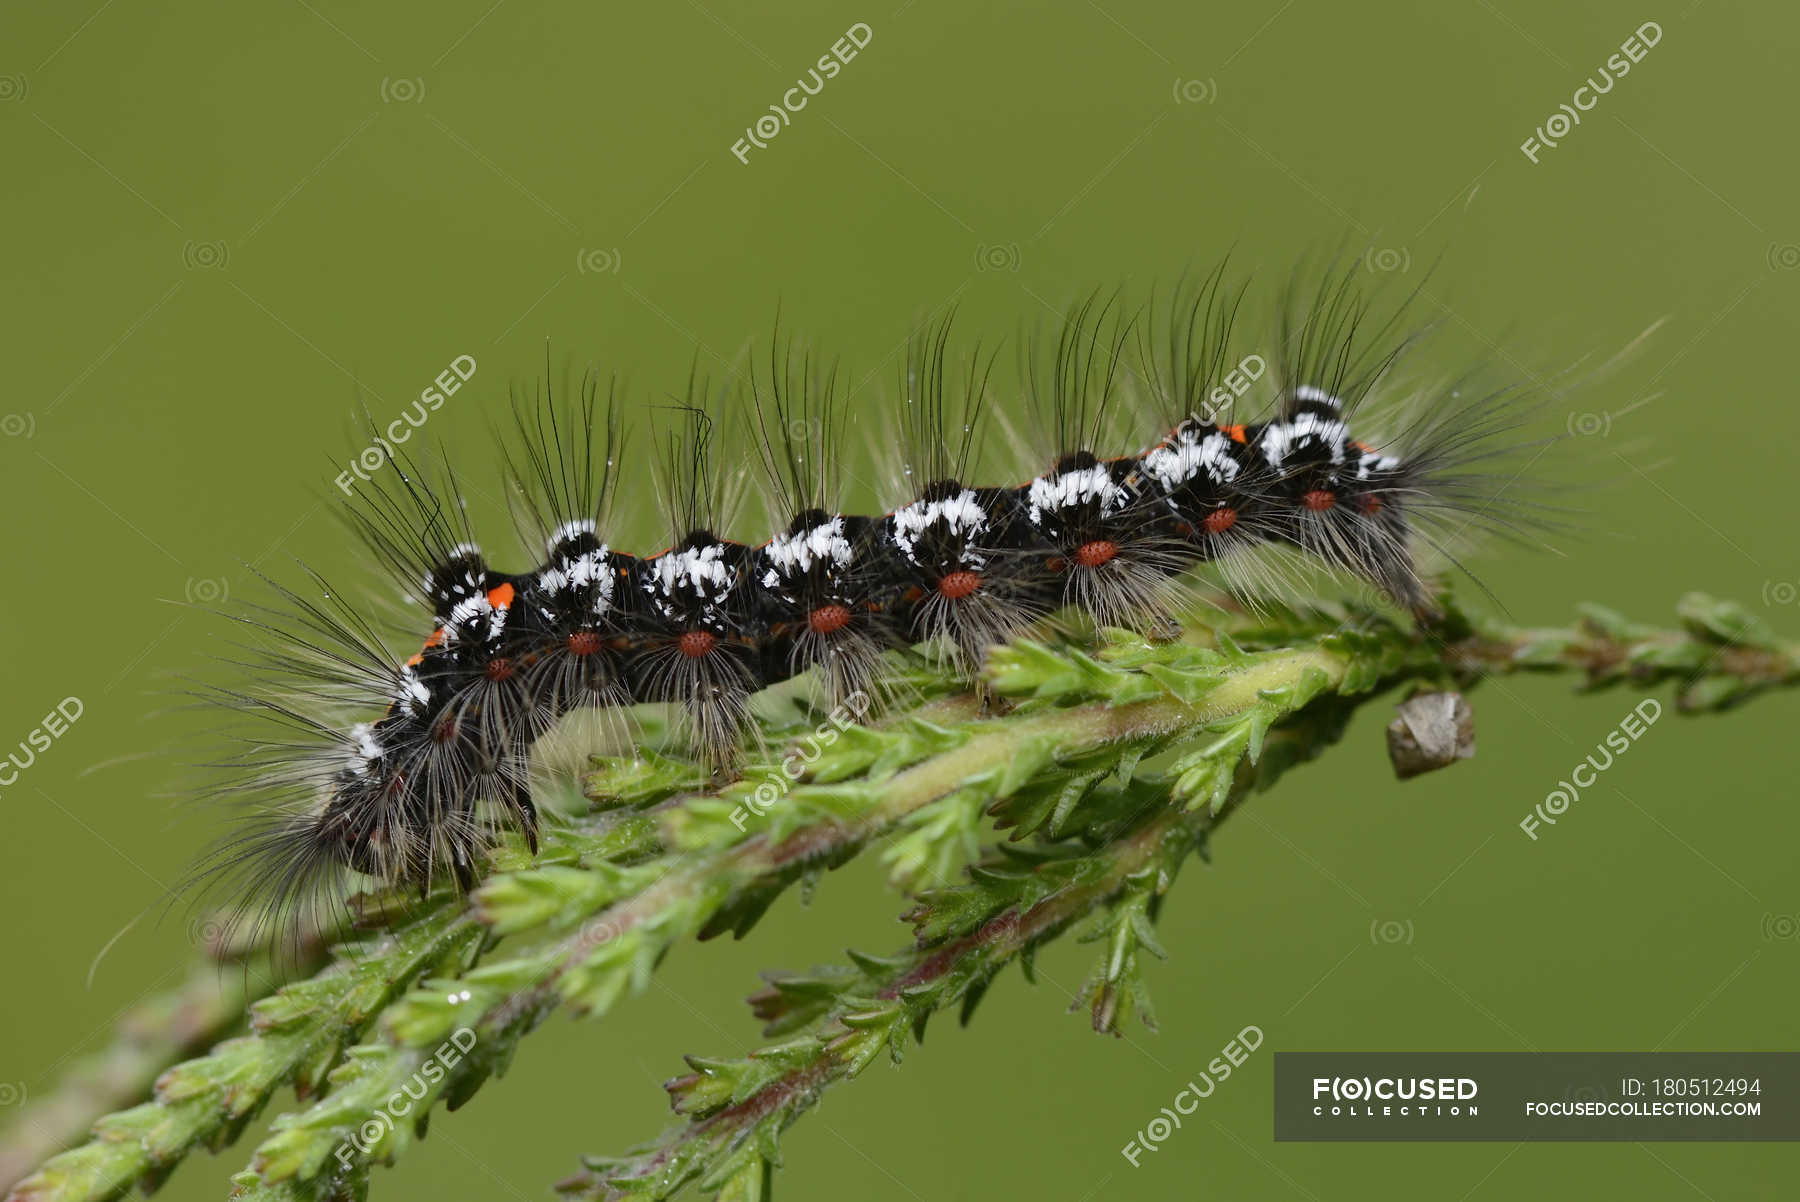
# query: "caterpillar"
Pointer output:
{"type": "Point", "coordinates": [405, 769]}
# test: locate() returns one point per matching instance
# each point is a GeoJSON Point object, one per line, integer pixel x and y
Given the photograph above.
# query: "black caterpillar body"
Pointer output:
{"type": "Point", "coordinates": [416, 792]}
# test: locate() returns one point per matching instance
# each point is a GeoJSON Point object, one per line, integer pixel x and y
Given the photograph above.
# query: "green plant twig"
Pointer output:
{"type": "Point", "coordinates": [1064, 765]}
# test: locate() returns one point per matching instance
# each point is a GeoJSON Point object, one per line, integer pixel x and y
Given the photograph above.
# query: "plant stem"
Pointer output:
{"type": "Point", "coordinates": [1063, 763]}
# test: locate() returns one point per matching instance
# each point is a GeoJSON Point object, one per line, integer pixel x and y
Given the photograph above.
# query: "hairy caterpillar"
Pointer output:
{"type": "Point", "coordinates": [403, 770]}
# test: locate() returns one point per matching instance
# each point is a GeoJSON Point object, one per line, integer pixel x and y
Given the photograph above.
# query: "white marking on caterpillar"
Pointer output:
{"type": "Point", "coordinates": [412, 692]}
{"type": "Point", "coordinates": [700, 570]}
{"type": "Point", "coordinates": [567, 532]}
{"type": "Point", "coordinates": [799, 552]}
{"type": "Point", "coordinates": [962, 515]}
{"type": "Point", "coordinates": [580, 571]}
{"type": "Point", "coordinates": [1308, 392]}
{"type": "Point", "coordinates": [460, 551]}
{"type": "Point", "coordinates": [368, 749]}
{"type": "Point", "coordinates": [1079, 487]}
{"type": "Point", "coordinates": [468, 611]}
{"type": "Point", "coordinates": [696, 569]}
{"type": "Point", "coordinates": [1173, 466]}
{"type": "Point", "coordinates": [1372, 462]}
{"type": "Point", "coordinates": [1279, 439]}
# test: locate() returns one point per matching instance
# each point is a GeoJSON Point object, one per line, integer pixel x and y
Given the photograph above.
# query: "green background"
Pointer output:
{"type": "Point", "coordinates": [223, 221]}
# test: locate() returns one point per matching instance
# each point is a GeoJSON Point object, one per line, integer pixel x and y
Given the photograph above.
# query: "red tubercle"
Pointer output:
{"type": "Point", "coordinates": [1319, 499]}
{"type": "Point", "coordinates": [696, 644]}
{"type": "Point", "coordinates": [1220, 520]}
{"type": "Point", "coordinates": [828, 619]}
{"type": "Point", "coordinates": [958, 585]}
{"type": "Point", "coordinates": [1097, 552]}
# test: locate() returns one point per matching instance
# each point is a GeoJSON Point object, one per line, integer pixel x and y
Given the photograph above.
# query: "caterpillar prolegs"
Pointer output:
{"type": "Point", "coordinates": [403, 769]}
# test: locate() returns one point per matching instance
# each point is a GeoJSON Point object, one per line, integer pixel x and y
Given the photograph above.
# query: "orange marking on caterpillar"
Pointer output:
{"type": "Point", "coordinates": [436, 640]}
{"type": "Point", "coordinates": [696, 644]}
{"type": "Point", "coordinates": [1093, 554]}
{"type": "Point", "coordinates": [828, 618]}
{"type": "Point", "coordinates": [502, 597]}
{"type": "Point", "coordinates": [958, 585]}
{"type": "Point", "coordinates": [1235, 433]}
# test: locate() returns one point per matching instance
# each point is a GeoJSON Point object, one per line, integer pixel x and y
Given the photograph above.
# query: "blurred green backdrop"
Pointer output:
{"type": "Point", "coordinates": [223, 220]}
